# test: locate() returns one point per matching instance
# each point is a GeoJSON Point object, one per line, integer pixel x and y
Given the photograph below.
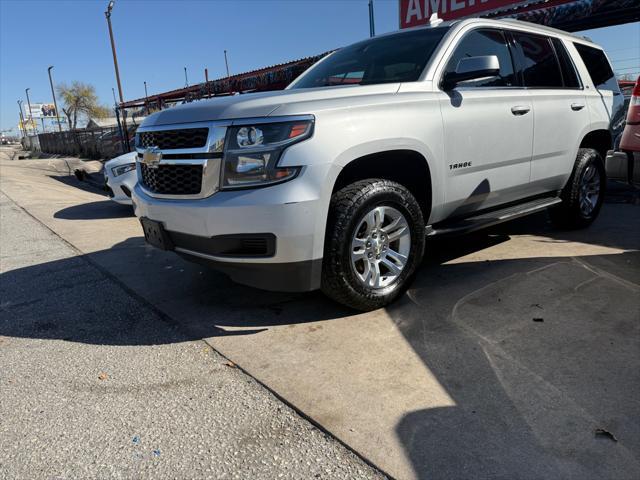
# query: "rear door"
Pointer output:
{"type": "Point", "coordinates": [488, 129]}
{"type": "Point", "coordinates": [605, 100]}
{"type": "Point", "coordinates": [559, 104]}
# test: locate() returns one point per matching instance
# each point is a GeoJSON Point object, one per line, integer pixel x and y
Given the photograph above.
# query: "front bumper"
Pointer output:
{"type": "Point", "coordinates": [293, 212]}
{"type": "Point", "coordinates": [120, 188]}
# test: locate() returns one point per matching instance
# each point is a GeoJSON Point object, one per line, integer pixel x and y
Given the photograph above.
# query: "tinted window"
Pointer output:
{"type": "Point", "coordinates": [598, 67]}
{"type": "Point", "coordinates": [386, 59]}
{"type": "Point", "coordinates": [539, 64]}
{"type": "Point", "coordinates": [480, 43]}
{"type": "Point", "coordinates": [569, 75]}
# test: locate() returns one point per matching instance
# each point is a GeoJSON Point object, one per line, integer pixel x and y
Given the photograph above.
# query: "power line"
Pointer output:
{"type": "Point", "coordinates": [621, 49]}
{"type": "Point", "coordinates": [626, 59]}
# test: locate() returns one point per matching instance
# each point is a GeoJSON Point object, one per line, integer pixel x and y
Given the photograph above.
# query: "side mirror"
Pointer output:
{"type": "Point", "coordinates": [472, 68]}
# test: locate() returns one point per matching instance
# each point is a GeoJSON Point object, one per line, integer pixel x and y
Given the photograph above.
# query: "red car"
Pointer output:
{"type": "Point", "coordinates": [623, 163]}
{"type": "Point", "coordinates": [630, 141]}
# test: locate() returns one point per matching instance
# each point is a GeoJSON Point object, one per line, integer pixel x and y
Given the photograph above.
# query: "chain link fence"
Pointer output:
{"type": "Point", "coordinates": [95, 144]}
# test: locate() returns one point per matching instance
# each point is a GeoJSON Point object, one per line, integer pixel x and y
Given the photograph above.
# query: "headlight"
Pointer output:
{"type": "Point", "coordinates": [122, 169]}
{"type": "Point", "coordinates": [252, 153]}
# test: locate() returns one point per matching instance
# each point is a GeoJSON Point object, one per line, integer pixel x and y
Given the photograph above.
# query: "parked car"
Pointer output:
{"type": "Point", "coordinates": [631, 136]}
{"type": "Point", "coordinates": [623, 162]}
{"type": "Point", "coordinates": [120, 177]}
{"type": "Point", "coordinates": [110, 142]}
{"type": "Point", "coordinates": [335, 182]}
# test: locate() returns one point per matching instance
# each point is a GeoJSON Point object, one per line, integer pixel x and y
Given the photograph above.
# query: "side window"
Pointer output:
{"type": "Point", "coordinates": [569, 74]}
{"type": "Point", "coordinates": [480, 43]}
{"type": "Point", "coordinates": [598, 67]}
{"type": "Point", "coordinates": [540, 67]}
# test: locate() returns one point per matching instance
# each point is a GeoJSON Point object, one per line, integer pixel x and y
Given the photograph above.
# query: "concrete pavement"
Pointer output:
{"type": "Point", "coordinates": [512, 349]}
{"type": "Point", "coordinates": [96, 384]}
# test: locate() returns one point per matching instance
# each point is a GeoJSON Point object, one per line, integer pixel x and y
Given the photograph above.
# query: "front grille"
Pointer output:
{"type": "Point", "coordinates": [174, 139]}
{"type": "Point", "coordinates": [172, 179]}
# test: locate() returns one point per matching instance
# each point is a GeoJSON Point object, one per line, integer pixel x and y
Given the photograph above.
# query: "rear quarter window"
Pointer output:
{"type": "Point", "coordinates": [598, 67]}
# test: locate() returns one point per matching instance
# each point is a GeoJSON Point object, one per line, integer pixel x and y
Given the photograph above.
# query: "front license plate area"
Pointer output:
{"type": "Point", "coordinates": [155, 234]}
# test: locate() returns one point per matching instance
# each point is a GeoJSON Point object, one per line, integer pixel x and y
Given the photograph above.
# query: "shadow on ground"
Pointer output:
{"type": "Point", "coordinates": [537, 354]}
{"type": "Point", "coordinates": [100, 210]}
{"type": "Point", "coordinates": [91, 182]}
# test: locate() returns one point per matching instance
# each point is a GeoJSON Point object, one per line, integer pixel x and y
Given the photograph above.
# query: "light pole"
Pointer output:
{"type": "Point", "coordinates": [29, 104]}
{"type": "Point", "coordinates": [55, 104]}
{"type": "Point", "coordinates": [186, 80]}
{"type": "Point", "coordinates": [115, 64]}
{"type": "Point", "coordinates": [372, 26]}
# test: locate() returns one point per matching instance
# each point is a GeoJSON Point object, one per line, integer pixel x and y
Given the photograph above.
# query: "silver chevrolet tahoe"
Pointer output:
{"type": "Point", "coordinates": [336, 182]}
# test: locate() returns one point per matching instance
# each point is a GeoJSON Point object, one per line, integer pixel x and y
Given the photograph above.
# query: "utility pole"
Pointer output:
{"type": "Point", "coordinates": [24, 127]}
{"type": "Point", "coordinates": [55, 104]}
{"type": "Point", "coordinates": [115, 107]}
{"type": "Point", "coordinates": [372, 26]}
{"type": "Point", "coordinates": [206, 81]}
{"type": "Point", "coordinates": [226, 63]}
{"type": "Point", "coordinates": [186, 80]}
{"type": "Point", "coordinates": [29, 104]}
{"type": "Point", "coordinates": [146, 95]}
{"type": "Point", "coordinates": [115, 64]}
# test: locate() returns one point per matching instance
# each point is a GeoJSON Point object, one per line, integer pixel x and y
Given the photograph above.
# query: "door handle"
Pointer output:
{"type": "Point", "coordinates": [520, 110]}
{"type": "Point", "coordinates": [577, 106]}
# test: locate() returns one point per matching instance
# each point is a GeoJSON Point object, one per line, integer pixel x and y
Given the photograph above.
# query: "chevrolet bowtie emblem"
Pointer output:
{"type": "Point", "coordinates": [151, 157]}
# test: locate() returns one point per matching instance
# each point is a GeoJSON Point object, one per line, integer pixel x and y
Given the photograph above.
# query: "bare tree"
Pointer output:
{"type": "Point", "coordinates": [80, 100]}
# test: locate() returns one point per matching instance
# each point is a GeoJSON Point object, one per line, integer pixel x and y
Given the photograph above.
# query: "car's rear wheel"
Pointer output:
{"type": "Point", "coordinates": [583, 195]}
{"type": "Point", "coordinates": [374, 243]}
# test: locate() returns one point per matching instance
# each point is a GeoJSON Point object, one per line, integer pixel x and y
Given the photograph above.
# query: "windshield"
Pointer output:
{"type": "Point", "coordinates": [388, 59]}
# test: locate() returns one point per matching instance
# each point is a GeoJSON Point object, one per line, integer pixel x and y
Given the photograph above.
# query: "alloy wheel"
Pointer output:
{"type": "Point", "coordinates": [589, 193]}
{"type": "Point", "coordinates": [380, 247]}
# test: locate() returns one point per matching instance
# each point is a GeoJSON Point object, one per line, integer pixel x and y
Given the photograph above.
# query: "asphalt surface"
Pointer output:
{"type": "Point", "coordinates": [96, 384]}
{"type": "Point", "coordinates": [515, 354]}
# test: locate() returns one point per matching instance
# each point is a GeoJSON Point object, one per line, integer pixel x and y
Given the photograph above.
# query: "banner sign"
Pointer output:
{"type": "Point", "coordinates": [418, 12]}
{"type": "Point", "coordinates": [40, 110]}
{"type": "Point", "coordinates": [571, 15]}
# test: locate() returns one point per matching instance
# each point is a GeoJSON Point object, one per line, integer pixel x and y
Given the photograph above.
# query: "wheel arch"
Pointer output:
{"type": "Point", "coordinates": [600, 140]}
{"type": "Point", "coordinates": [405, 166]}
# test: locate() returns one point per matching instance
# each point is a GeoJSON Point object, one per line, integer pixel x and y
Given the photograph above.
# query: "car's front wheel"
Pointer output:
{"type": "Point", "coordinates": [374, 243]}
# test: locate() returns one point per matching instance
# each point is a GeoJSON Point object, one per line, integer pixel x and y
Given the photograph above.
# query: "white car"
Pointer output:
{"type": "Point", "coordinates": [335, 182]}
{"type": "Point", "coordinates": [120, 177]}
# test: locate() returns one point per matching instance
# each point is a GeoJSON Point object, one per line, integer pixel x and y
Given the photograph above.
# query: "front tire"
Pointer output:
{"type": "Point", "coordinates": [583, 195]}
{"type": "Point", "coordinates": [374, 243]}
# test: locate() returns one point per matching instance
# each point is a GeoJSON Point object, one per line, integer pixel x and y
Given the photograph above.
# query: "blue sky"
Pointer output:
{"type": "Point", "coordinates": [157, 39]}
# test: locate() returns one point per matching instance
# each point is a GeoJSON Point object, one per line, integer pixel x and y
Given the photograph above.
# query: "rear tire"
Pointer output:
{"type": "Point", "coordinates": [374, 243]}
{"type": "Point", "coordinates": [583, 194]}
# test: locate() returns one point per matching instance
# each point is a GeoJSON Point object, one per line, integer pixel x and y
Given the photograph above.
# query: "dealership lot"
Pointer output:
{"type": "Point", "coordinates": [515, 354]}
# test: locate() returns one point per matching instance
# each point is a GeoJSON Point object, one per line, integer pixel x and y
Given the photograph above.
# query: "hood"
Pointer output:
{"type": "Point", "coordinates": [121, 160]}
{"type": "Point", "coordinates": [262, 104]}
